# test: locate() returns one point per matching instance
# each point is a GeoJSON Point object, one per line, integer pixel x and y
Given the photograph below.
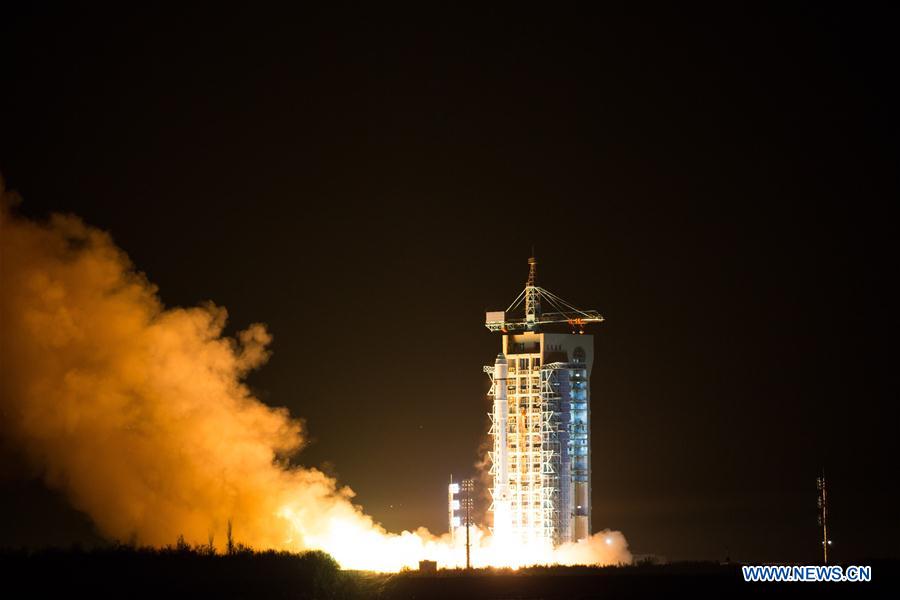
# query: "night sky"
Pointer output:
{"type": "Point", "coordinates": [717, 183]}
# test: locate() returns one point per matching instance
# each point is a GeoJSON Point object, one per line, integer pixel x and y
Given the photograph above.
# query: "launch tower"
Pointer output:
{"type": "Point", "coordinates": [540, 422]}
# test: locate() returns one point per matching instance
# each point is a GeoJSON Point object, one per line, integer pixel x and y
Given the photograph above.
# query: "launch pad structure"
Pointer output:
{"type": "Point", "coordinates": [540, 422]}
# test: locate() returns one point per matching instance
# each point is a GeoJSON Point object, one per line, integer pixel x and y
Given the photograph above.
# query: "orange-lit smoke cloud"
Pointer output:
{"type": "Point", "coordinates": [139, 415]}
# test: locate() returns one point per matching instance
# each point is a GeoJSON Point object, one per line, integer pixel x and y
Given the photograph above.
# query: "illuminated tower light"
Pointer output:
{"type": "Point", "coordinates": [461, 505]}
{"type": "Point", "coordinates": [453, 507]}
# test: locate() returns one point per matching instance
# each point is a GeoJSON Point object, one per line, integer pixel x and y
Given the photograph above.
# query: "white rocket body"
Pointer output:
{"type": "Point", "coordinates": [502, 509]}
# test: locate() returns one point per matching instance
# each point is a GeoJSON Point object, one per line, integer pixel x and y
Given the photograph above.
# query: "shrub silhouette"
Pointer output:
{"type": "Point", "coordinates": [179, 571]}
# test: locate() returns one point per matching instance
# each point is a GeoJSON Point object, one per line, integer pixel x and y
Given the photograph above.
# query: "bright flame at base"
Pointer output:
{"type": "Point", "coordinates": [362, 546]}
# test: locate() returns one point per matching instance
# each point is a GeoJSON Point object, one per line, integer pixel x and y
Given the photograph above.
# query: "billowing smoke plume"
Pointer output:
{"type": "Point", "coordinates": [139, 415]}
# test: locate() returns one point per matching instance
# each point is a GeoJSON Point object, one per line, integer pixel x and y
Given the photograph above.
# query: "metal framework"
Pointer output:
{"type": "Point", "coordinates": [532, 297]}
{"type": "Point", "coordinates": [520, 451]}
{"type": "Point", "coordinates": [545, 446]}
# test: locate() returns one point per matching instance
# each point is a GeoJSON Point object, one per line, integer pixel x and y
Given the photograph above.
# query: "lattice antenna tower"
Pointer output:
{"type": "Point", "coordinates": [822, 505]}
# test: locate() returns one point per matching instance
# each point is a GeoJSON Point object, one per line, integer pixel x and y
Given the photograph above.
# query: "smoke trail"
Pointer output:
{"type": "Point", "coordinates": [140, 416]}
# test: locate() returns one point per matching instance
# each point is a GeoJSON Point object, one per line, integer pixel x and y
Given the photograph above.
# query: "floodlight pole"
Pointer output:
{"type": "Point", "coordinates": [467, 486]}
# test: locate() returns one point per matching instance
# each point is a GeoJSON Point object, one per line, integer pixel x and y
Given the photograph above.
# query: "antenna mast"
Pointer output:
{"type": "Point", "coordinates": [532, 296]}
{"type": "Point", "coordinates": [823, 515]}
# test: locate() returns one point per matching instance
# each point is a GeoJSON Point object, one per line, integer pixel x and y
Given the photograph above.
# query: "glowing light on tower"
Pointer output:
{"type": "Point", "coordinates": [453, 507]}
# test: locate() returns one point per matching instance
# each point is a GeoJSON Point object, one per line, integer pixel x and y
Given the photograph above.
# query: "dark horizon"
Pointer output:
{"type": "Point", "coordinates": [718, 184]}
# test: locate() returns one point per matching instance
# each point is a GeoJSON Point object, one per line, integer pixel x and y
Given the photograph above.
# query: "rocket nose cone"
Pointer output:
{"type": "Point", "coordinates": [500, 359]}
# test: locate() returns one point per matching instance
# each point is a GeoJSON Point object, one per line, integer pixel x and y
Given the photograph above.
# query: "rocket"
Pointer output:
{"type": "Point", "coordinates": [501, 419]}
{"type": "Point", "coordinates": [502, 509]}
